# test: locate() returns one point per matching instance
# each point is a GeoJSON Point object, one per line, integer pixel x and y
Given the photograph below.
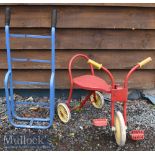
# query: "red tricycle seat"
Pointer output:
{"type": "Point", "coordinates": [91, 82]}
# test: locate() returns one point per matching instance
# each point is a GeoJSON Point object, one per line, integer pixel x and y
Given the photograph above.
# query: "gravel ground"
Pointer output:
{"type": "Point", "coordinates": [79, 134]}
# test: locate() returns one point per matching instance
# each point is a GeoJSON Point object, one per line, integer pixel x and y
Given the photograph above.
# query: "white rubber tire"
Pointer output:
{"type": "Point", "coordinates": [63, 112]}
{"type": "Point", "coordinates": [120, 129]}
{"type": "Point", "coordinates": [100, 100]}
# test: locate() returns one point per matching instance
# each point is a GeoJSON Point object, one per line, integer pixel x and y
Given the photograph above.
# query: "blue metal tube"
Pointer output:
{"type": "Point", "coordinates": [40, 103]}
{"type": "Point", "coordinates": [31, 122]}
{"type": "Point", "coordinates": [30, 118]}
{"type": "Point", "coordinates": [30, 36]}
{"type": "Point", "coordinates": [7, 36]}
{"type": "Point", "coordinates": [30, 60]}
{"type": "Point", "coordinates": [52, 79]}
{"type": "Point", "coordinates": [29, 83]}
{"type": "Point", "coordinates": [53, 49]}
{"type": "Point", "coordinates": [31, 127]}
{"type": "Point", "coordinates": [7, 94]}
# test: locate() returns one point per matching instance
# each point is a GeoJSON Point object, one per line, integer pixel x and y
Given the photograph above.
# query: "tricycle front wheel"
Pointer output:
{"type": "Point", "coordinates": [120, 129]}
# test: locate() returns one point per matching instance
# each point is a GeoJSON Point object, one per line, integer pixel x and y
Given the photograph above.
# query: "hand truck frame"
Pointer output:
{"type": "Point", "coordinates": [9, 82]}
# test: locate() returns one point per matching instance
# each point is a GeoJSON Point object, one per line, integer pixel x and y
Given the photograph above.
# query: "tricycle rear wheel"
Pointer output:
{"type": "Point", "coordinates": [63, 112]}
{"type": "Point", "coordinates": [99, 102]}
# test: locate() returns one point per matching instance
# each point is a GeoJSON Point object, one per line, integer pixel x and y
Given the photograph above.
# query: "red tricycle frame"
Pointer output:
{"type": "Point", "coordinates": [93, 84]}
{"type": "Point", "coordinates": [118, 94]}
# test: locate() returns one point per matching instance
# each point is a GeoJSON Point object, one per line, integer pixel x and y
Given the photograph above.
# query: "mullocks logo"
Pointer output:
{"type": "Point", "coordinates": [26, 141]}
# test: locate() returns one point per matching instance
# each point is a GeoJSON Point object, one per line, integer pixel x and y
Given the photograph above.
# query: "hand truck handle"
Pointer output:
{"type": "Point", "coordinates": [95, 64]}
{"type": "Point", "coordinates": [7, 16]}
{"type": "Point", "coordinates": [145, 61]}
{"type": "Point", "coordinates": [54, 18]}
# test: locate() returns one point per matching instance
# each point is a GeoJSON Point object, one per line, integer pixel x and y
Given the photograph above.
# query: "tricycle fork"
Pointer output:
{"type": "Point", "coordinates": [118, 94]}
{"type": "Point", "coordinates": [139, 65]}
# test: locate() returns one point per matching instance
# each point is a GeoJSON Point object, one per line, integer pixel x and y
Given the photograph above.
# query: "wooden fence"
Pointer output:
{"type": "Point", "coordinates": [116, 35]}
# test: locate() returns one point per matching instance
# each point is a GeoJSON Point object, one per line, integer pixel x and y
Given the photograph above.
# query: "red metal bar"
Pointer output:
{"type": "Point", "coordinates": [112, 87]}
{"type": "Point", "coordinates": [110, 76]}
{"type": "Point", "coordinates": [83, 102]}
{"type": "Point", "coordinates": [112, 113]}
{"type": "Point", "coordinates": [129, 74]}
{"type": "Point", "coordinates": [70, 74]}
{"type": "Point", "coordinates": [126, 86]}
{"type": "Point", "coordinates": [72, 60]}
{"type": "Point", "coordinates": [70, 95]}
{"type": "Point", "coordinates": [125, 113]}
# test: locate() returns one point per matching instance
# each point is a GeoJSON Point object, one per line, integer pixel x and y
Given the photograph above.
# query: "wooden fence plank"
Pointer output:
{"type": "Point", "coordinates": [112, 59]}
{"type": "Point", "coordinates": [85, 39]}
{"type": "Point", "coordinates": [141, 79]}
{"type": "Point", "coordinates": [82, 17]}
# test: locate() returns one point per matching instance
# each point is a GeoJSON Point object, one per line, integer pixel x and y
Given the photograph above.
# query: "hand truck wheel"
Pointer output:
{"type": "Point", "coordinates": [63, 112]}
{"type": "Point", "coordinates": [99, 100]}
{"type": "Point", "coordinates": [120, 129]}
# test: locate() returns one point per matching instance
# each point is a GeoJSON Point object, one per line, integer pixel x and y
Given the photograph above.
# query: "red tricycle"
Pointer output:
{"type": "Point", "coordinates": [95, 85]}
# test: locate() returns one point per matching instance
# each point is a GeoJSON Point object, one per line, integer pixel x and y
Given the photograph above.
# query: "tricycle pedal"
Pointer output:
{"type": "Point", "coordinates": [100, 122]}
{"type": "Point", "coordinates": [137, 134]}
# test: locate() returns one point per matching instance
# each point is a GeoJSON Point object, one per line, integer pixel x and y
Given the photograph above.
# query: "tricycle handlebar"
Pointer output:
{"type": "Point", "coordinates": [95, 64]}
{"type": "Point", "coordinates": [99, 66]}
{"type": "Point", "coordinates": [140, 64]}
{"type": "Point", "coordinates": [145, 61]}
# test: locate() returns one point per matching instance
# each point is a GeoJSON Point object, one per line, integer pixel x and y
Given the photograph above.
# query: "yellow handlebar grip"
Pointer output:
{"type": "Point", "coordinates": [95, 64]}
{"type": "Point", "coordinates": [142, 63]}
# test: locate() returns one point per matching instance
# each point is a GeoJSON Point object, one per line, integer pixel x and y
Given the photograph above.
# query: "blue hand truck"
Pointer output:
{"type": "Point", "coordinates": [13, 116]}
